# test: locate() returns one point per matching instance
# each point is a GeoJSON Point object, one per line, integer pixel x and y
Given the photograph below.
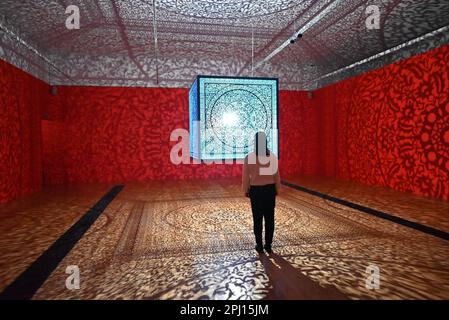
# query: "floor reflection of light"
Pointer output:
{"type": "Point", "coordinates": [235, 275]}
{"type": "Point", "coordinates": [275, 263]}
{"type": "Point", "coordinates": [199, 245]}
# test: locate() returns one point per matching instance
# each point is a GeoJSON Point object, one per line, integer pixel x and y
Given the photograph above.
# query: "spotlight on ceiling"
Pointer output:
{"type": "Point", "coordinates": [298, 36]}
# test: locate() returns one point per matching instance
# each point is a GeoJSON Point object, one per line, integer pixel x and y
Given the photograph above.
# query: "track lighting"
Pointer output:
{"type": "Point", "coordinates": [298, 36]}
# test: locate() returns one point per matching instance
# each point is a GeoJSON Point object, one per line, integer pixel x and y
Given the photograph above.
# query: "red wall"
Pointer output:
{"type": "Point", "coordinates": [389, 127]}
{"type": "Point", "coordinates": [111, 134]}
{"type": "Point", "coordinates": [21, 99]}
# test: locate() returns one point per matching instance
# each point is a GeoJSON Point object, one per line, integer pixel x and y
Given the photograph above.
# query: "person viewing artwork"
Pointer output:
{"type": "Point", "coordinates": [261, 183]}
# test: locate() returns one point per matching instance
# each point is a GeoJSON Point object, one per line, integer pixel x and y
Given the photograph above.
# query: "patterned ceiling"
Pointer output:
{"type": "Point", "coordinates": [116, 45]}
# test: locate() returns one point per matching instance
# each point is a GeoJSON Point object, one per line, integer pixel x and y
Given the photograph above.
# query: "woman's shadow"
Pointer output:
{"type": "Point", "coordinates": [288, 283]}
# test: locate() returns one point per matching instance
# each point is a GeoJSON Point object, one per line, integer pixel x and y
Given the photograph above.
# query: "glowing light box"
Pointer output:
{"type": "Point", "coordinates": [226, 112]}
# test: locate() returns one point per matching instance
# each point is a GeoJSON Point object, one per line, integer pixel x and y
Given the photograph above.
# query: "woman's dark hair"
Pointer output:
{"type": "Point", "coordinates": [262, 147]}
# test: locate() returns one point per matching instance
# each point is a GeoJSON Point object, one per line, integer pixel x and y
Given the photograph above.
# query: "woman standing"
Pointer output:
{"type": "Point", "coordinates": [261, 183]}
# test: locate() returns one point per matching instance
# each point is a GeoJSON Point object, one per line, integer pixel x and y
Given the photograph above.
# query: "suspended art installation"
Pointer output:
{"type": "Point", "coordinates": [226, 112]}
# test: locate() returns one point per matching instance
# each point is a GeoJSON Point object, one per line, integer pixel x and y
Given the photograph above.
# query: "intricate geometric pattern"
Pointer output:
{"type": "Point", "coordinates": [394, 125]}
{"type": "Point", "coordinates": [29, 226]}
{"type": "Point", "coordinates": [387, 127]}
{"type": "Point", "coordinates": [21, 99]}
{"type": "Point", "coordinates": [155, 242]}
{"type": "Point", "coordinates": [119, 134]}
{"type": "Point", "coordinates": [330, 134]}
{"type": "Point", "coordinates": [228, 112]}
{"type": "Point", "coordinates": [122, 134]}
{"type": "Point", "coordinates": [115, 45]}
{"type": "Point", "coordinates": [226, 9]}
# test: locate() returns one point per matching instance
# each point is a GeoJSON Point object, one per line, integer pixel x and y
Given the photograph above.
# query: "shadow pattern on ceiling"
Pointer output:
{"type": "Point", "coordinates": [115, 45]}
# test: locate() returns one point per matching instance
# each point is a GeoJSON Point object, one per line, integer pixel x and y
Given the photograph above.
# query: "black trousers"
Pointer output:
{"type": "Point", "coordinates": [263, 201]}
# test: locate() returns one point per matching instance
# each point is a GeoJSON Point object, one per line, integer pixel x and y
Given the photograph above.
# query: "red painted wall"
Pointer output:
{"type": "Point", "coordinates": [111, 134]}
{"type": "Point", "coordinates": [21, 99]}
{"type": "Point", "coordinates": [389, 127]}
{"type": "Point", "coordinates": [296, 151]}
{"type": "Point", "coordinates": [53, 134]}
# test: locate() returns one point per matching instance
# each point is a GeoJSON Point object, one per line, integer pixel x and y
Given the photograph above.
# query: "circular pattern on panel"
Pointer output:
{"type": "Point", "coordinates": [223, 9]}
{"type": "Point", "coordinates": [243, 109]}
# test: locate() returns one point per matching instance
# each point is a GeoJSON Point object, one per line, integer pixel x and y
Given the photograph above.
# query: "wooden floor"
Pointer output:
{"type": "Point", "coordinates": [431, 212]}
{"type": "Point", "coordinates": [31, 225]}
{"type": "Point", "coordinates": [193, 240]}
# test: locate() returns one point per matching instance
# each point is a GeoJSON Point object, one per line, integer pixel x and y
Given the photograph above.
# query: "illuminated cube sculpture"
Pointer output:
{"type": "Point", "coordinates": [226, 112]}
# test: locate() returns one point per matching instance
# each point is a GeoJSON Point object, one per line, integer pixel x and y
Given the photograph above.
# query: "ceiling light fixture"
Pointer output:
{"type": "Point", "coordinates": [298, 34]}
